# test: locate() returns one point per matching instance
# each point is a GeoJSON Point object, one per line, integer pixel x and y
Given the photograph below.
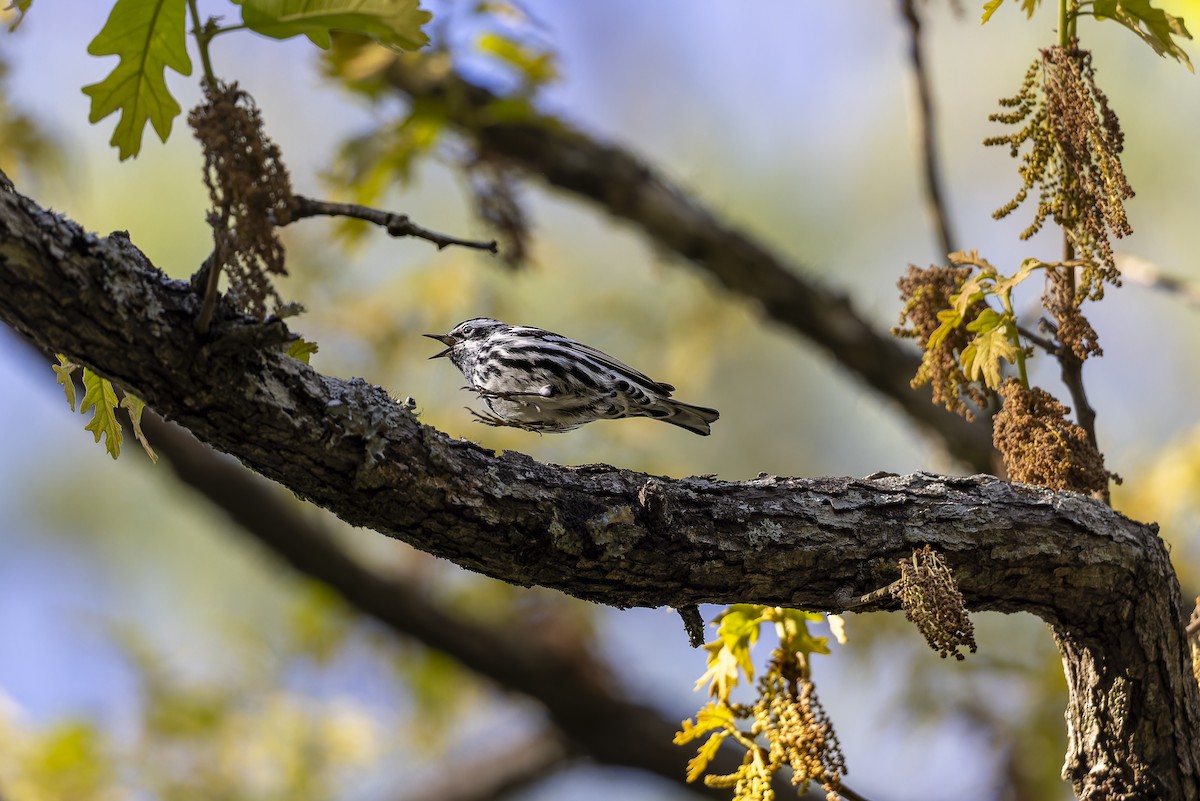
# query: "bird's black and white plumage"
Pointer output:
{"type": "Point", "coordinates": [541, 381]}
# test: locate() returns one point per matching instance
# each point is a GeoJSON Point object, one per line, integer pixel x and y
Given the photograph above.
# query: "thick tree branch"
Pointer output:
{"type": "Point", "coordinates": [580, 696]}
{"type": "Point", "coordinates": [1103, 582]}
{"type": "Point", "coordinates": [497, 776]}
{"type": "Point", "coordinates": [630, 189]}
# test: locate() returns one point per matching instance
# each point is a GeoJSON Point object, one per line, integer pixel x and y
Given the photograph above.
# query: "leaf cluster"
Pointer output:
{"type": "Point", "coordinates": [373, 161]}
{"type": "Point", "coordinates": [965, 341]}
{"type": "Point", "coordinates": [786, 715]}
{"type": "Point", "coordinates": [1155, 27]}
{"type": "Point", "coordinates": [149, 37]}
{"type": "Point", "coordinates": [100, 397]}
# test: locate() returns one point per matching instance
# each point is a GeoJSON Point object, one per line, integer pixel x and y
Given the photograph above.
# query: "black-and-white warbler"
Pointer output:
{"type": "Point", "coordinates": [541, 381]}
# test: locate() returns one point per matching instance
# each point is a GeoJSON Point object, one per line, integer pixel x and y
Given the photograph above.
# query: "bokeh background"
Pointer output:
{"type": "Point", "coordinates": [122, 594]}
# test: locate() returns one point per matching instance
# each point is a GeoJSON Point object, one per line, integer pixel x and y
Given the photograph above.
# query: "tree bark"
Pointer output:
{"type": "Point", "coordinates": [1103, 582]}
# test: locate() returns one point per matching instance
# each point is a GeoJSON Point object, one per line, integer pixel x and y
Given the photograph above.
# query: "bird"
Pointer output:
{"type": "Point", "coordinates": [537, 380]}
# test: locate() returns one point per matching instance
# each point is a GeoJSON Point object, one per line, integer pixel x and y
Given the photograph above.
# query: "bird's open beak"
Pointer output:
{"type": "Point", "coordinates": [446, 340]}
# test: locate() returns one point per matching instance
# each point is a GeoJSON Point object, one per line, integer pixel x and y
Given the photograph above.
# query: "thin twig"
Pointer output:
{"type": "Point", "coordinates": [872, 597]}
{"type": "Point", "coordinates": [934, 194]}
{"type": "Point", "coordinates": [1071, 365]}
{"type": "Point", "coordinates": [396, 224]}
{"type": "Point", "coordinates": [1043, 343]}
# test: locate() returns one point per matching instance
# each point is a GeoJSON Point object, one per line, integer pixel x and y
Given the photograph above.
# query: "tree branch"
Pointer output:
{"type": "Point", "coordinates": [1103, 582]}
{"type": "Point", "coordinates": [629, 189]}
{"type": "Point", "coordinates": [934, 193]}
{"type": "Point", "coordinates": [498, 776]}
{"type": "Point", "coordinates": [577, 691]}
{"type": "Point", "coordinates": [396, 225]}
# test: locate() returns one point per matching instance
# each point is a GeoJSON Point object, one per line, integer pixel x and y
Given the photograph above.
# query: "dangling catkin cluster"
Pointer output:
{"type": "Point", "coordinates": [797, 731]}
{"type": "Point", "coordinates": [250, 192]}
{"type": "Point", "coordinates": [791, 719]}
{"type": "Point", "coordinates": [1040, 446]}
{"type": "Point", "coordinates": [1074, 162]}
{"type": "Point", "coordinates": [933, 602]}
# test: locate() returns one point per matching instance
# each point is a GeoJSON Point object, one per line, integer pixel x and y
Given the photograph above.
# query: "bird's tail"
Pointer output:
{"type": "Point", "coordinates": [685, 415]}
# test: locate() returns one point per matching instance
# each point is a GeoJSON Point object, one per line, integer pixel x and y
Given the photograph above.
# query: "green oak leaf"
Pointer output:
{"type": "Point", "coordinates": [393, 22]}
{"type": "Point", "coordinates": [792, 627]}
{"type": "Point", "coordinates": [1155, 26]}
{"type": "Point", "coordinates": [101, 396]}
{"type": "Point", "coordinates": [1028, 6]}
{"type": "Point", "coordinates": [63, 371]}
{"type": "Point", "coordinates": [302, 349]}
{"type": "Point", "coordinates": [536, 66]}
{"type": "Point", "coordinates": [149, 36]}
{"type": "Point", "coordinates": [1005, 284]}
{"type": "Point", "coordinates": [712, 718]}
{"type": "Point", "coordinates": [134, 406]}
{"type": "Point", "coordinates": [991, 344]}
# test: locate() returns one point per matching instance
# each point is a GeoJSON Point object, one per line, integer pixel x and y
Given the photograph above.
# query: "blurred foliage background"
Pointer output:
{"type": "Point", "coordinates": [149, 652]}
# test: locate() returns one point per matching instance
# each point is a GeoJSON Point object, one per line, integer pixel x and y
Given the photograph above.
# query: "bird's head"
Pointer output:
{"type": "Point", "coordinates": [468, 331]}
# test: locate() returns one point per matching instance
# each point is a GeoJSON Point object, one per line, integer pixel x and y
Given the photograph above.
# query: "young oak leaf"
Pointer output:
{"type": "Point", "coordinates": [100, 395]}
{"type": "Point", "coordinates": [63, 372]}
{"type": "Point", "coordinates": [148, 36]}
{"type": "Point", "coordinates": [1028, 6]}
{"type": "Point", "coordinates": [990, 345]}
{"type": "Point", "coordinates": [393, 22]}
{"type": "Point", "coordinates": [1005, 284]}
{"type": "Point", "coordinates": [715, 718]}
{"type": "Point", "coordinates": [134, 406]}
{"type": "Point", "coordinates": [722, 673]}
{"type": "Point", "coordinates": [738, 630]}
{"type": "Point", "coordinates": [792, 627]}
{"type": "Point", "coordinates": [302, 349]}
{"type": "Point", "coordinates": [1155, 26]}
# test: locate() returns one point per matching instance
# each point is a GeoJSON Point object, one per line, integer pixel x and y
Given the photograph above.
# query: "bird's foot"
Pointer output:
{"type": "Point", "coordinates": [496, 421]}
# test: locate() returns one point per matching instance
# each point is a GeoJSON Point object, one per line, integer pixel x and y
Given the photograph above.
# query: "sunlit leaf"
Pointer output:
{"type": "Point", "coordinates": [68, 761]}
{"type": "Point", "coordinates": [722, 674]}
{"type": "Point", "coordinates": [712, 717]}
{"type": "Point", "coordinates": [393, 22]}
{"type": "Point", "coordinates": [100, 395]}
{"type": "Point", "coordinates": [950, 320]}
{"type": "Point", "coordinates": [792, 627]}
{"type": "Point", "coordinates": [134, 406]}
{"type": "Point", "coordinates": [704, 754]}
{"type": "Point", "coordinates": [989, 8]}
{"type": "Point", "coordinates": [991, 344]}
{"type": "Point", "coordinates": [1155, 26]}
{"type": "Point", "coordinates": [1004, 285]}
{"type": "Point", "coordinates": [536, 67]}
{"type": "Point", "coordinates": [302, 349]}
{"type": "Point", "coordinates": [149, 36]}
{"type": "Point", "coordinates": [63, 372]}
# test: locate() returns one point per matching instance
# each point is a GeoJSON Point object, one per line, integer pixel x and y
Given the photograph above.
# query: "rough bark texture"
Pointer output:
{"type": "Point", "coordinates": [621, 538]}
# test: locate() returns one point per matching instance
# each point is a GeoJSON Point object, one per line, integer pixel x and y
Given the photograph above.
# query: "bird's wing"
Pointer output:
{"type": "Point", "coordinates": [616, 365]}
